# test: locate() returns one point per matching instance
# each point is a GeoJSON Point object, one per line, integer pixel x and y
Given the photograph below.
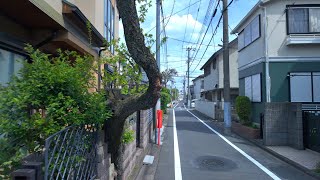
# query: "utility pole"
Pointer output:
{"type": "Point", "coordinates": [226, 71]}
{"type": "Point", "coordinates": [184, 88]}
{"type": "Point", "coordinates": [158, 106]}
{"type": "Point", "coordinates": [188, 74]}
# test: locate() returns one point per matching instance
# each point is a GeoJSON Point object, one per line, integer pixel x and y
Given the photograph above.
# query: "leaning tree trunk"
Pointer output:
{"type": "Point", "coordinates": [124, 107]}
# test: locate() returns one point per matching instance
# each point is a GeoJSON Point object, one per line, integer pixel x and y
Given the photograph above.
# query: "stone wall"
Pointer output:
{"type": "Point", "coordinates": [105, 168]}
{"type": "Point", "coordinates": [283, 125]}
{"type": "Point", "coordinates": [134, 153]}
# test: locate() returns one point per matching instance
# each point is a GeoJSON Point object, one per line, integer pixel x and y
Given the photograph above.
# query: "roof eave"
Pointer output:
{"type": "Point", "coordinates": [256, 7]}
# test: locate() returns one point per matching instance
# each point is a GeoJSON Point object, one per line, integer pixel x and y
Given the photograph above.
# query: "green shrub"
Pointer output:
{"type": "Point", "coordinates": [165, 99]}
{"type": "Point", "coordinates": [48, 95]}
{"type": "Point", "coordinates": [127, 136]}
{"type": "Point", "coordinates": [243, 108]}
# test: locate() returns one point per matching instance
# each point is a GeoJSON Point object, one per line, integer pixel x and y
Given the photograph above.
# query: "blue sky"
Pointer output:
{"type": "Point", "coordinates": [186, 25]}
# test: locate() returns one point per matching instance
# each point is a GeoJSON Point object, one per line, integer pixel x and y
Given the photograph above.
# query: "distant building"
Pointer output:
{"type": "Point", "coordinates": [198, 84]}
{"type": "Point", "coordinates": [213, 74]}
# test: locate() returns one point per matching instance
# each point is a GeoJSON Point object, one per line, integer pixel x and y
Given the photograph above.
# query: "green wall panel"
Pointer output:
{"type": "Point", "coordinates": [280, 81]}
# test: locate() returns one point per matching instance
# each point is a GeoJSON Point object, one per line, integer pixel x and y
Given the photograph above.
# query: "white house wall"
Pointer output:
{"type": "Point", "coordinates": [211, 79]}
{"type": "Point", "coordinates": [277, 32]}
{"type": "Point", "coordinates": [233, 67]}
{"type": "Point", "coordinates": [255, 50]}
{"type": "Point", "coordinates": [197, 88]}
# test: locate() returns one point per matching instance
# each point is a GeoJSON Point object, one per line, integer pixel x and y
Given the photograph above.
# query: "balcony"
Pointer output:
{"type": "Point", "coordinates": [296, 39]}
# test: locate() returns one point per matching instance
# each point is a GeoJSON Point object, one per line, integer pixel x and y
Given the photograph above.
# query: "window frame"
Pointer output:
{"type": "Point", "coordinates": [252, 88]}
{"type": "Point", "coordinates": [303, 6]}
{"type": "Point", "coordinates": [312, 88]}
{"type": "Point", "coordinates": [207, 71]}
{"type": "Point", "coordinates": [109, 23]}
{"type": "Point", "coordinates": [249, 26]}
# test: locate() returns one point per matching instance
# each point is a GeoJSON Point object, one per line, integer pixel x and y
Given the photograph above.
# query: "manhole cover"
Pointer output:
{"type": "Point", "coordinates": [215, 163]}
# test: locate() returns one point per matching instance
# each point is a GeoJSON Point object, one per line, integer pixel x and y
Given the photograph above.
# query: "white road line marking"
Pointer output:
{"type": "Point", "coordinates": [267, 171]}
{"type": "Point", "coordinates": [176, 105]}
{"type": "Point", "coordinates": [177, 165]}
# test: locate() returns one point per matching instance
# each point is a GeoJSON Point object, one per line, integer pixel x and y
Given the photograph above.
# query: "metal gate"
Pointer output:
{"type": "Point", "coordinates": [311, 126]}
{"type": "Point", "coordinates": [71, 154]}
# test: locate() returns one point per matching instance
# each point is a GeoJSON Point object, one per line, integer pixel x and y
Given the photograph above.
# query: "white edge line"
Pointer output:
{"type": "Point", "coordinates": [176, 105]}
{"type": "Point", "coordinates": [267, 171]}
{"type": "Point", "coordinates": [177, 165]}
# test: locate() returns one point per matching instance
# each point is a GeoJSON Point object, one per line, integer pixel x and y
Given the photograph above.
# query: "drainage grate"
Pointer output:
{"type": "Point", "coordinates": [215, 163]}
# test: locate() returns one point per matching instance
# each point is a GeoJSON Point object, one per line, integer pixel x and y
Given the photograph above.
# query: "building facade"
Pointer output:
{"type": "Point", "coordinates": [279, 59]}
{"type": "Point", "coordinates": [213, 74]}
{"type": "Point", "coordinates": [198, 86]}
{"type": "Point", "coordinates": [48, 25]}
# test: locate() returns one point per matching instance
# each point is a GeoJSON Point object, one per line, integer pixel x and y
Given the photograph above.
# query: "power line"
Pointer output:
{"type": "Point", "coordinates": [205, 20]}
{"type": "Point", "coordinates": [188, 42]}
{"type": "Point", "coordinates": [214, 13]}
{"type": "Point", "coordinates": [165, 35]}
{"type": "Point", "coordinates": [185, 29]}
{"type": "Point", "coordinates": [194, 26]}
{"type": "Point", "coordinates": [213, 34]}
{"type": "Point", "coordinates": [175, 13]}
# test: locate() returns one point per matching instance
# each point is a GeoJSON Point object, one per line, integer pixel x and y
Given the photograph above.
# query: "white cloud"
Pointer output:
{"type": "Point", "coordinates": [178, 23]}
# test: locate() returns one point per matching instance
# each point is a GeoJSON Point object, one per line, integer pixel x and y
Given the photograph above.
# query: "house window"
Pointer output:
{"type": "Point", "coordinates": [214, 64]}
{"type": "Point", "coordinates": [109, 23]}
{"type": "Point", "coordinates": [250, 33]}
{"type": "Point", "coordinates": [305, 87]}
{"type": "Point", "coordinates": [253, 87]}
{"type": "Point", "coordinates": [303, 19]}
{"type": "Point", "coordinates": [9, 65]}
{"type": "Point", "coordinates": [207, 71]}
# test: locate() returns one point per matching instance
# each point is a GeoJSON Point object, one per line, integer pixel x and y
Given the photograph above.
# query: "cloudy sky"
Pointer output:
{"type": "Point", "coordinates": [184, 20]}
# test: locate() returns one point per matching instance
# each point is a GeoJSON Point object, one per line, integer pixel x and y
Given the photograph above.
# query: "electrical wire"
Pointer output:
{"type": "Point", "coordinates": [213, 15]}
{"type": "Point", "coordinates": [194, 26]}
{"type": "Point", "coordinates": [213, 34]}
{"type": "Point", "coordinates": [175, 39]}
{"type": "Point", "coordinates": [185, 29]}
{"type": "Point", "coordinates": [175, 14]}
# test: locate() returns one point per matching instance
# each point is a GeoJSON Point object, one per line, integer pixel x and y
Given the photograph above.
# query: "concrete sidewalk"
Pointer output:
{"type": "Point", "coordinates": [305, 160]}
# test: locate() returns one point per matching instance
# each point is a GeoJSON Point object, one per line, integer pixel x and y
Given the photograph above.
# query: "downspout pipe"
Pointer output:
{"type": "Point", "coordinates": [99, 50]}
{"type": "Point", "coordinates": [267, 64]}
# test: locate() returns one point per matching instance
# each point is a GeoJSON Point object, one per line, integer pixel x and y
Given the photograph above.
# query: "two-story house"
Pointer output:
{"type": "Point", "coordinates": [213, 79]}
{"type": "Point", "coordinates": [279, 57]}
{"type": "Point", "coordinates": [48, 25]}
{"type": "Point", "coordinates": [198, 85]}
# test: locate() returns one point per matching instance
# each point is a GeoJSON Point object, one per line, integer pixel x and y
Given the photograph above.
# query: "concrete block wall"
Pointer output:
{"type": "Point", "coordinates": [283, 125]}
{"type": "Point", "coordinates": [295, 127]}
{"type": "Point", "coordinates": [105, 169]}
{"type": "Point", "coordinates": [134, 153]}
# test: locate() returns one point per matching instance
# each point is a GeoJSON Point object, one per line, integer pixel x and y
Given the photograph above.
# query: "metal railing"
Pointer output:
{"type": "Point", "coordinates": [150, 115]}
{"type": "Point", "coordinates": [71, 154]}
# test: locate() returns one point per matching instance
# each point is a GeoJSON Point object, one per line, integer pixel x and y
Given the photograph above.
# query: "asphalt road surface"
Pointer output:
{"type": "Point", "coordinates": [194, 149]}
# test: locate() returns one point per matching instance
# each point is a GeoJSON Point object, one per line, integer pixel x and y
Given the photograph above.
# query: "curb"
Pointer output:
{"type": "Point", "coordinates": [285, 159]}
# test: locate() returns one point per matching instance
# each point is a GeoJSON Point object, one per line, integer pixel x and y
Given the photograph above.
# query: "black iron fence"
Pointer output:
{"type": "Point", "coordinates": [71, 154]}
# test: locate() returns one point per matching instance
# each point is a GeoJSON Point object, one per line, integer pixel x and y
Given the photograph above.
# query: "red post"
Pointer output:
{"type": "Point", "coordinates": [159, 124]}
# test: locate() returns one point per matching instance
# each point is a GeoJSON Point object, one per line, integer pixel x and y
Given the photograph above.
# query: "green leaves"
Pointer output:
{"type": "Point", "coordinates": [243, 108]}
{"type": "Point", "coordinates": [49, 94]}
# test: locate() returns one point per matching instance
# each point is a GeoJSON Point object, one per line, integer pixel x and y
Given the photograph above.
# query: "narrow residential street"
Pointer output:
{"type": "Point", "coordinates": [194, 149]}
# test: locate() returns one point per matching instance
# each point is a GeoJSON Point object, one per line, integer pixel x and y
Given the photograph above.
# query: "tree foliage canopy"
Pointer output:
{"type": "Point", "coordinates": [167, 75]}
